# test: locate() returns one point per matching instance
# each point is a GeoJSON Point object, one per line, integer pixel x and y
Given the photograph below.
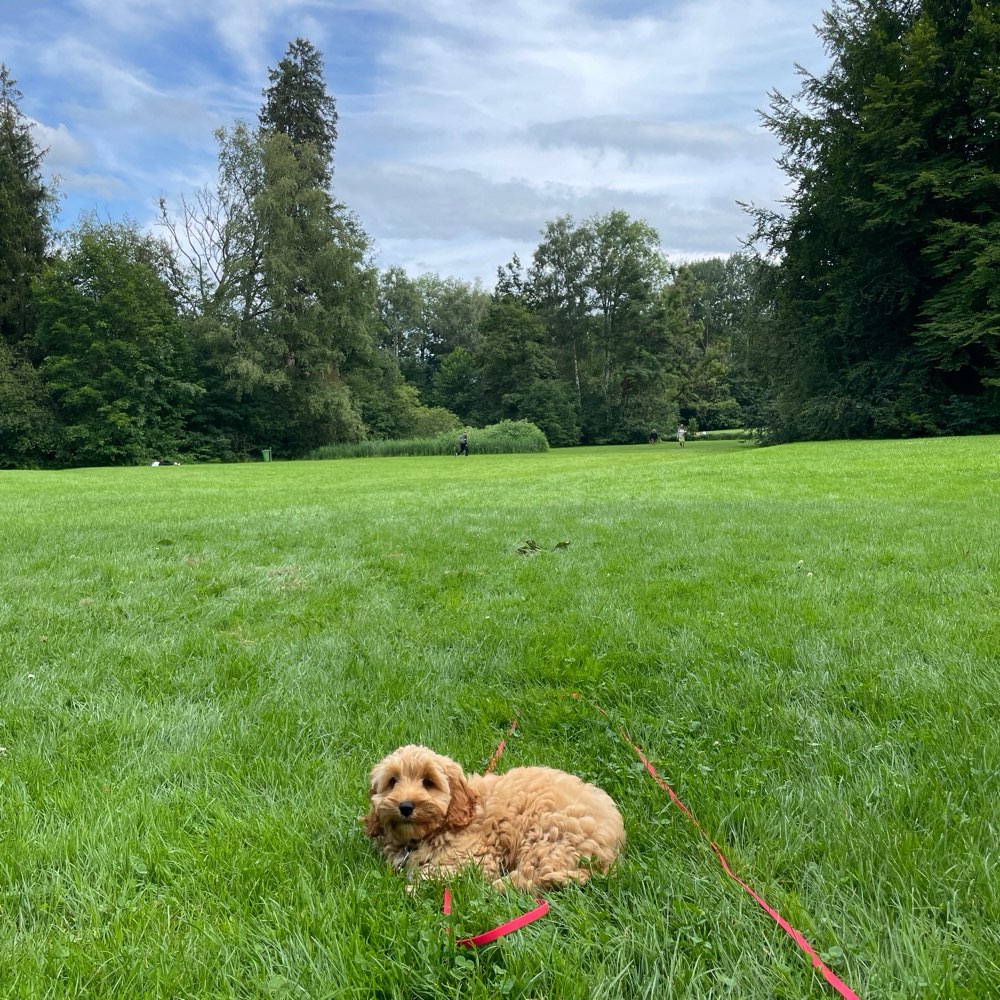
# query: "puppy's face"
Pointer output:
{"type": "Point", "coordinates": [415, 792]}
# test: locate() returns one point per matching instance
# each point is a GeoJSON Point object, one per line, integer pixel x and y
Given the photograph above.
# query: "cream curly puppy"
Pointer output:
{"type": "Point", "coordinates": [534, 826]}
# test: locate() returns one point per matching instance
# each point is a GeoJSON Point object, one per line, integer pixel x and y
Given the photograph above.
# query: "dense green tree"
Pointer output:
{"type": "Point", "coordinates": [888, 284]}
{"type": "Point", "coordinates": [510, 280]}
{"type": "Point", "coordinates": [319, 292]}
{"type": "Point", "coordinates": [948, 167]}
{"type": "Point", "coordinates": [449, 315]}
{"type": "Point", "coordinates": [27, 430]}
{"type": "Point", "coordinates": [252, 314]}
{"type": "Point", "coordinates": [557, 288]}
{"type": "Point", "coordinates": [405, 309]}
{"type": "Point", "coordinates": [516, 376]}
{"type": "Point", "coordinates": [747, 317]}
{"type": "Point", "coordinates": [698, 357]}
{"type": "Point", "coordinates": [626, 274]}
{"type": "Point", "coordinates": [113, 356]}
{"type": "Point", "coordinates": [713, 306]}
{"type": "Point", "coordinates": [457, 386]}
{"type": "Point", "coordinates": [317, 283]}
{"type": "Point", "coordinates": [730, 308]}
{"type": "Point", "coordinates": [596, 286]}
{"type": "Point", "coordinates": [452, 312]}
{"type": "Point", "coordinates": [281, 291]}
{"type": "Point", "coordinates": [400, 310]}
{"type": "Point", "coordinates": [387, 405]}
{"type": "Point", "coordinates": [25, 206]}
{"type": "Point", "coordinates": [297, 105]}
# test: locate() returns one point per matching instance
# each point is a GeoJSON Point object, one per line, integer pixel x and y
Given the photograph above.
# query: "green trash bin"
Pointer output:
{"type": "Point", "coordinates": [267, 454]}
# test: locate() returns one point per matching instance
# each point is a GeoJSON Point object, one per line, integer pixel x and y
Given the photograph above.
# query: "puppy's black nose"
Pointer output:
{"type": "Point", "coordinates": [406, 809]}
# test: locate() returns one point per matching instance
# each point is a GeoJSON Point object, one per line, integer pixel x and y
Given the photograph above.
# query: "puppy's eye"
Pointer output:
{"type": "Point", "coordinates": [428, 783]}
{"type": "Point", "coordinates": [391, 783]}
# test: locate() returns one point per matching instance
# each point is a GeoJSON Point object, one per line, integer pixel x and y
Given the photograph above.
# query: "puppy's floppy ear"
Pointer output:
{"type": "Point", "coordinates": [462, 805]}
{"type": "Point", "coordinates": [372, 826]}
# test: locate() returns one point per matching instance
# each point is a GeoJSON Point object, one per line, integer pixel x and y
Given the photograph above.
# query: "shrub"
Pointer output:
{"type": "Point", "coordinates": [507, 437]}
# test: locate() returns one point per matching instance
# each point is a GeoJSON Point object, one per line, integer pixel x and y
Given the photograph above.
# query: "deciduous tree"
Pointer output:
{"type": "Point", "coordinates": [113, 356]}
{"type": "Point", "coordinates": [517, 378]}
{"type": "Point", "coordinates": [597, 288]}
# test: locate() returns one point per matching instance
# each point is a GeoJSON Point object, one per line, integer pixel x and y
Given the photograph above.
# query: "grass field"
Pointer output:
{"type": "Point", "coordinates": [201, 664]}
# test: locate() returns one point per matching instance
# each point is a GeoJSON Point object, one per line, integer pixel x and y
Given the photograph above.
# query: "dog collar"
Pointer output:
{"type": "Point", "coordinates": [408, 849]}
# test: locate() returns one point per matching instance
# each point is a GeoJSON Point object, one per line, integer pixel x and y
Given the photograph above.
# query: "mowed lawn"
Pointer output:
{"type": "Point", "coordinates": [201, 664]}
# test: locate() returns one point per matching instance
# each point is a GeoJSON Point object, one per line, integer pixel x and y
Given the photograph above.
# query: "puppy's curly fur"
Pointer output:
{"type": "Point", "coordinates": [534, 826]}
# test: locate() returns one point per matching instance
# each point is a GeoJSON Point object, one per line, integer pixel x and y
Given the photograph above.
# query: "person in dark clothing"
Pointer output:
{"type": "Point", "coordinates": [463, 444]}
{"type": "Point", "coordinates": [654, 436]}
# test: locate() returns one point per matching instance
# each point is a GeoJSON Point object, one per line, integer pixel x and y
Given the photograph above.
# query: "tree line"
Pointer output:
{"type": "Point", "coordinates": [255, 317]}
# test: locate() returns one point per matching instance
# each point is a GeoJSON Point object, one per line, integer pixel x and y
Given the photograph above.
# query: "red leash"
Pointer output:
{"type": "Point", "coordinates": [543, 907]}
{"type": "Point", "coordinates": [844, 990]}
{"type": "Point", "coordinates": [496, 756]}
{"type": "Point", "coordinates": [518, 922]}
{"type": "Point", "coordinates": [504, 929]}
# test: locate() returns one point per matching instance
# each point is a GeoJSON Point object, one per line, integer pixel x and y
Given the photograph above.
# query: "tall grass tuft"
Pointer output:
{"type": "Point", "coordinates": [509, 437]}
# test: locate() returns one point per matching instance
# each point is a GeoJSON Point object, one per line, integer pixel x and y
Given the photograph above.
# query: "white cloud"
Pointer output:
{"type": "Point", "coordinates": [464, 127]}
{"type": "Point", "coordinates": [92, 189]}
{"type": "Point", "coordinates": [520, 112]}
{"type": "Point", "coordinates": [62, 149]}
{"type": "Point", "coordinates": [637, 138]}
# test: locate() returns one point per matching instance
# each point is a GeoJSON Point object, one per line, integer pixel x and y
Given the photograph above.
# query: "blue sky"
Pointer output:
{"type": "Point", "coordinates": [464, 126]}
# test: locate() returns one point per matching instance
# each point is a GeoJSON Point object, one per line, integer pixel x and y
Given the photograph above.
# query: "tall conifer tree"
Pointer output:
{"type": "Point", "coordinates": [297, 105]}
{"type": "Point", "coordinates": [25, 204]}
{"type": "Point", "coordinates": [317, 286]}
{"type": "Point", "coordinates": [888, 291]}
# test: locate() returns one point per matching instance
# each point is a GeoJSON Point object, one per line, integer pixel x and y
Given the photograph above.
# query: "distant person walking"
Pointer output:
{"type": "Point", "coordinates": [681, 434]}
{"type": "Point", "coordinates": [654, 436]}
{"type": "Point", "coordinates": [463, 444]}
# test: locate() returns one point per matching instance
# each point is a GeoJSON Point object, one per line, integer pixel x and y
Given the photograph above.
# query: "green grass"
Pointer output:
{"type": "Point", "coordinates": [200, 665]}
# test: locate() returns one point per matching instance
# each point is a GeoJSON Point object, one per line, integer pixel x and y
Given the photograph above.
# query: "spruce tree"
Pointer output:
{"type": "Point", "coordinates": [317, 287]}
{"type": "Point", "coordinates": [25, 206]}
{"type": "Point", "coordinates": [297, 105]}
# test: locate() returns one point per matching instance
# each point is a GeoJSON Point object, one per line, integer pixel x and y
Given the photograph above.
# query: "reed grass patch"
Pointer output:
{"type": "Point", "coordinates": [509, 437]}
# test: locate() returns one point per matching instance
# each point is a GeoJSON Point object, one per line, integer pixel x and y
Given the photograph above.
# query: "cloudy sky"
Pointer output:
{"type": "Point", "coordinates": [464, 126]}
